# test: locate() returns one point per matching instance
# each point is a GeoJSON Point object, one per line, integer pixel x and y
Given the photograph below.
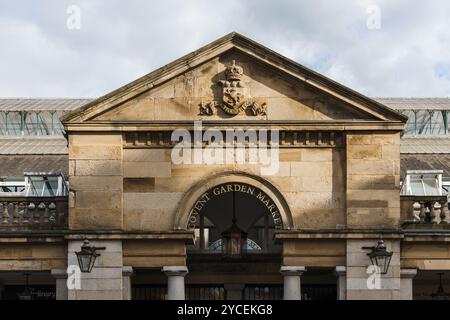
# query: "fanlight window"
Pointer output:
{"type": "Point", "coordinates": [235, 223]}
{"type": "Point", "coordinates": [259, 240]}
{"type": "Point", "coordinates": [217, 246]}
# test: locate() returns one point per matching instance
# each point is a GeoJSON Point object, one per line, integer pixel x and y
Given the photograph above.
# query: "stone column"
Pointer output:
{"type": "Point", "coordinates": [175, 281]}
{"type": "Point", "coordinates": [406, 283]}
{"type": "Point", "coordinates": [61, 283]}
{"type": "Point", "coordinates": [341, 273]}
{"type": "Point", "coordinates": [292, 283]}
{"type": "Point", "coordinates": [127, 272]}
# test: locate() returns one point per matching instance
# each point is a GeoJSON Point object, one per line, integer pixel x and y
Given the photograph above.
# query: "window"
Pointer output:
{"type": "Point", "coordinates": [423, 183]}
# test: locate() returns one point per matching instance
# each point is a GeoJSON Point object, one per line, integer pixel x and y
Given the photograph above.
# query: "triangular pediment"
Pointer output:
{"type": "Point", "coordinates": [233, 78]}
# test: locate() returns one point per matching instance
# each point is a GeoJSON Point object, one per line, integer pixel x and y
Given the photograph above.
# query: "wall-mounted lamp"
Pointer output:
{"type": "Point", "coordinates": [26, 294]}
{"type": "Point", "coordinates": [87, 256]}
{"type": "Point", "coordinates": [440, 294]}
{"type": "Point", "coordinates": [379, 256]}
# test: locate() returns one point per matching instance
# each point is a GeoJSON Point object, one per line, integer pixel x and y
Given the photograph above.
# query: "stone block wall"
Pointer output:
{"type": "Point", "coordinates": [154, 253]}
{"type": "Point", "coordinates": [358, 278]}
{"type": "Point", "coordinates": [38, 256]}
{"type": "Point", "coordinates": [105, 282]}
{"type": "Point", "coordinates": [311, 180]}
{"type": "Point", "coordinates": [373, 180]}
{"type": "Point", "coordinates": [96, 181]}
{"type": "Point", "coordinates": [314, 252]}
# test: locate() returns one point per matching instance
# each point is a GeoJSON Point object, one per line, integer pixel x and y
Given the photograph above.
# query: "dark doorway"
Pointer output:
{"type": "Point", "coordinates": [35, 292]}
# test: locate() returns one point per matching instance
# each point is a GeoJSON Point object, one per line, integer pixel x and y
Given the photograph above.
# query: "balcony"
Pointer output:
{"type": "Point", "coordinates": [423, 203]}
{"type": "Point", "coordinates": [38, 202]}
{"type": "Point", "coordinates": [20, 213]}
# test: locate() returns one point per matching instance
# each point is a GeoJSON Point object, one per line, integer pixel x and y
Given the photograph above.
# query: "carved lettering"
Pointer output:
{"type": "Point", "coordinates": [235, 187]}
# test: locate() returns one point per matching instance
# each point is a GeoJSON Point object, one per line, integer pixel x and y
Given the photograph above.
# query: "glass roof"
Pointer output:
{"type": "Point", "coordinates": [426, 122]}
{"type": "Point", "coordinates": [30, 123]}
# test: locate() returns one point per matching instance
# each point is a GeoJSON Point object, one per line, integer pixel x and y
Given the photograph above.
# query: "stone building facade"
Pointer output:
{"type": "Point", "coordinates": [334, 192]}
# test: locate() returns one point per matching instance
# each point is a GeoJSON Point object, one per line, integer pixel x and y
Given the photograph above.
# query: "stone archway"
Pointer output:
{"type": "Point", "coordinates": [258, 269]}
{"type": "Point", "coordinates": [267, 193]}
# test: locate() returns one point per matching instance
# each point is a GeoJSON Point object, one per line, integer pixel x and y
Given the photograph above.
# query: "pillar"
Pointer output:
{"type": "Point", "coordinates": [341, 273]}
{"type": "Point", "coordinates": [292, 283]}
{"type": "Point", "coordinates": [175, 281]}
{"type": "Point", "coordinates": [61, 283]}
{"type": "Point", "coordinates": [406, 283]}
{"type": "Point", "coordinates": [127, 272]}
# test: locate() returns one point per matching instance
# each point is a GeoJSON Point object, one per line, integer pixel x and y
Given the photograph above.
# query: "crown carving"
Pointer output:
{"type": "Point", "coordinates": [233, 100]}
{"type": "Point", "coordinates": [234, 72]}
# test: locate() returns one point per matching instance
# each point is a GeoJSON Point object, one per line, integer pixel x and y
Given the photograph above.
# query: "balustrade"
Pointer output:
{"type": "Point", "coordinates": [33, 213]}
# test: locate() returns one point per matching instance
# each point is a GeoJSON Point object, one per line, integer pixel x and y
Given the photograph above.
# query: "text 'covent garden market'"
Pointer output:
{"type": "Point", "coordinates": [230, 173]}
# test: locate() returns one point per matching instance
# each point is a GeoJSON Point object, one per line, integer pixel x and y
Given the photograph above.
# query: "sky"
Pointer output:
{"type": "Point", "coordinates": [87, 48]}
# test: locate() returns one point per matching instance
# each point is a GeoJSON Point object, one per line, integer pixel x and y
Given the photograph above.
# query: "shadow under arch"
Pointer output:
{"type": "Point", "coordinates": [195, 193]}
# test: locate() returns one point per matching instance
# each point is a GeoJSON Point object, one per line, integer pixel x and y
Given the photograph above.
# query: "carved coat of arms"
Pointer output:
{"type": "Point", "coordinates": [233, 99]}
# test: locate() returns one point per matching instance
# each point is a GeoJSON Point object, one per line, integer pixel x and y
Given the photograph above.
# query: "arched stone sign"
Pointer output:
{"type": "Point", "coordinates": [237, 187]}
{"type": "Point", "coordinates": [265, 196]}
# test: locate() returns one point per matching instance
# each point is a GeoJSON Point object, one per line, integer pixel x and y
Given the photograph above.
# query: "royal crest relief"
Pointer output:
{"type": "Point", "coordinates": [233, 97]}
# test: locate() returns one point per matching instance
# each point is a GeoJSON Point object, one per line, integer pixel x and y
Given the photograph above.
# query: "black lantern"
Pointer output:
{"type": "Point", "coordinates": [26, 294]}
{"type": "Point", "coordinates": [234, 239]}
{"type": "Point", "coordinates": [380, 257]}
{"type": "Point", "coordinates": [87, 256]}
{"type": "Point", "coordinates": [440, 294]}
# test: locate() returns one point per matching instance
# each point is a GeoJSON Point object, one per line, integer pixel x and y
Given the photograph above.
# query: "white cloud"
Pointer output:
{"type": "Point", "coordinates": [120, 41]}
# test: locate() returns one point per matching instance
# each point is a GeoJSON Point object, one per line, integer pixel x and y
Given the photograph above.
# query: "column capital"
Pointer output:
{"type": "Point", "coordinates": [408, 273]}
{"type": "Point", "coordinates": [175, 270]}
{"type": "Point", "coordinates": [340, 270]}
{"type": "Point", "coordinates": [292, 270]}
{"type": "Point", "coordinates": [59, 273]}
{"type": "Point", "coordinates": [127, 271]}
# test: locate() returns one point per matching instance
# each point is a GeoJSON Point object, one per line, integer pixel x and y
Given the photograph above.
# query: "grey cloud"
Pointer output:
{"type": "Point", "coordinates": [122, 40]}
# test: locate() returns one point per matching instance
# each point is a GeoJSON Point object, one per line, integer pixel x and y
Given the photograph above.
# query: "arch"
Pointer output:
{"type": "Point", "coordinates": [189, 200]}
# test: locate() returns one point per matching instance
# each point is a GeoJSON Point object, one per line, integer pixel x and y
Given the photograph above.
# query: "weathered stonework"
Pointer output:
{"type": "Point", "coordinates": [338, 169]}
{"type": "Point", "coordinates": [373, 176]}
{"type": "Point", "coordinates": [359, 285]}
{"type": "Point", "coordinates": [105, 282]}
{"type": "Point", "coordinates": [97, 181]}
{"type": "Point", "coordinates": [336, 187]}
